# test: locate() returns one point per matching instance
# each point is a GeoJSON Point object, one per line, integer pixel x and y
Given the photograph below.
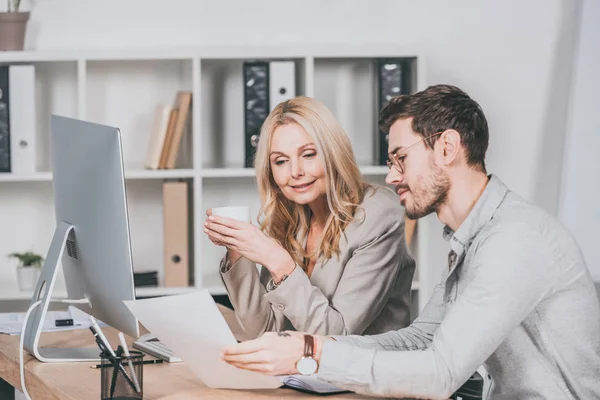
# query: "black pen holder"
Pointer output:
{"type": "Point", "coordinates": [122, 378]}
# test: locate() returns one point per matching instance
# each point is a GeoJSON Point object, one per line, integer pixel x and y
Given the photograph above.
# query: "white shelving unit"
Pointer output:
{"type": "Point", "coordinates": [122, 87]}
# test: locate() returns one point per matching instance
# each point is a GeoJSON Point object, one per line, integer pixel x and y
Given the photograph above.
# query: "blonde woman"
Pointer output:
{"type": "Point", "coordinates": [331, 247]}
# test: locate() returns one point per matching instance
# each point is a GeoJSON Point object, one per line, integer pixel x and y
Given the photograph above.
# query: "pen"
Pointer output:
{"type": "Point", "coordinates": [134, 363]}
{"type": "Point", "coordinates": [128, 356]}
{"type": "Point", "coordinates": [102, 337]}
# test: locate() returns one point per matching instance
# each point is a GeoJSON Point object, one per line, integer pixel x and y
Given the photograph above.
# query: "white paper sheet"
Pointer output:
{"type": "Point", "coordinates": [11, 323]}
{"type": "Point", "coordinates": [192, 327]}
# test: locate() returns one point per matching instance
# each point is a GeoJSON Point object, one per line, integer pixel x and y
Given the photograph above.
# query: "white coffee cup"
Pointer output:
{"type": "Point", "coordinates": [241, 213]}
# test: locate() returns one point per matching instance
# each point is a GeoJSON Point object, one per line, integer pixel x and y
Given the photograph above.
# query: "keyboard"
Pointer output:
{"type": "Point", "coordinates": [149, 344]}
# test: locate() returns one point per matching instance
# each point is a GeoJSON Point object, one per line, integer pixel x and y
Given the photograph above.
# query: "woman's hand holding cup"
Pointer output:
{"type": "Point", "coordinates": [231, 227]}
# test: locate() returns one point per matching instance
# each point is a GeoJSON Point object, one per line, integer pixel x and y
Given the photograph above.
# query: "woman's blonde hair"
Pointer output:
{"type": "Point", "coordinates": [288, 222]}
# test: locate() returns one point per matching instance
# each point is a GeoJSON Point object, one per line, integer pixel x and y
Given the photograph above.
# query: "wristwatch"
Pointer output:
{"type": "Point", "coordinates": [272, 285]}
{"type": "Point", "coordinates": [307, 365]}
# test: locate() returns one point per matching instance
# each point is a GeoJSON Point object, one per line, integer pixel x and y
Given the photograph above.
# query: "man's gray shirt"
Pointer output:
{"type": "Point", "coordinates": [517, 297]}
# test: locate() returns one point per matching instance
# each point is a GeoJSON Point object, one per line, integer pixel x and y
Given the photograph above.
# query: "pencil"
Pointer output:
{"type": "Point", "coordinates": [134, 363]}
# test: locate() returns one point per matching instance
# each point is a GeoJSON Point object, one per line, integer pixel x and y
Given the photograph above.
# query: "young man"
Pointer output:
{"type": "Point", "coordinates": [516, 297]}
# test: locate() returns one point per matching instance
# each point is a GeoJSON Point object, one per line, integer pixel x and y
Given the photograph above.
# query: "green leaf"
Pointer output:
{"type": "Point", "coordinates": [28, 259]}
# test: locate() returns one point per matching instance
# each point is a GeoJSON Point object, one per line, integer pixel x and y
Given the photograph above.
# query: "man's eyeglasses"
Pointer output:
{"type": "Point", "coordinates": [397, 159]}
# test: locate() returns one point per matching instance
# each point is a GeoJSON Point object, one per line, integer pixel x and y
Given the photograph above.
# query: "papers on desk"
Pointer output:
{"type": "Point", "coordinates": [11, 323]}
{"type": "Point", "coordinates": [192, 327]}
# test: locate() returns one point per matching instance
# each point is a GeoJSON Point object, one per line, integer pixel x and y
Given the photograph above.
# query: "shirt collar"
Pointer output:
{"type": "Point", "coordinates": [482, 213]}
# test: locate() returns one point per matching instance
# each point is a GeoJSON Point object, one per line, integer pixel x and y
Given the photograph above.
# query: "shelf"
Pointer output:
{"type": "Point", "coordinates": [11, 293]}
{"type": "Point", "coordinates": [228, 173]}
{"type": "Point", "coordinates": [374, 170]}
{"type": "Point", "coordinates": [122, 86]}
{"type": "Point", "coordinates": [159, 174]}
{"type": "Point", "coordinates": [214, 287]}
{"type": "Point", "coordinates": [33, 177]}
{"type": "Point", "coordinates": [249, 172]}
{"type": "Point", "coordinates": [134, 174]}
{"type": "Point", "coordinates": [163, 291]}
{"type": "Point", "coordinates": [365, 50]}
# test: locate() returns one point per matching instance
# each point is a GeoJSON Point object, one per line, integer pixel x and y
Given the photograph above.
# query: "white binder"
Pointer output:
{"type": "Point", "coordinates": [21, 83]}
{"type": "Point", "coordinates": [282, 82]}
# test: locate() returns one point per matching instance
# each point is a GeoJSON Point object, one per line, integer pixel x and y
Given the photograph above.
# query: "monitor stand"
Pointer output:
{"type": "Point", "coordinates": [63, 237]}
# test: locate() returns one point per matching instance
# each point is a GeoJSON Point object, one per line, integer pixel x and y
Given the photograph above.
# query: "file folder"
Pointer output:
{"type": "Point", "coordinates": [22, 119]}
{"type": "Point", "coordinates": [4, 121]}
{"type": "Point", "coordinates": [177, 231]}
{"type": "Point", "coordinates": [393, 79]}
{"type": "Point", "coordinates": [266, 84]}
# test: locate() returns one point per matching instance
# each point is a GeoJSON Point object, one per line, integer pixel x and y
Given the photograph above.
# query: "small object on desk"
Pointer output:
{"type": "Point", "coordinates": [64, 322]}
{"type": "Point", "coordinates": [145, 362]}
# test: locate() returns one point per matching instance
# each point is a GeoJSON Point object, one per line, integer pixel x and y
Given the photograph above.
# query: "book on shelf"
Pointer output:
{"type": "Point", "coordinates": [17, 119]}
{"type": "Point", "coordinates": [168, 139]}
{"type": "Point", "coordinates": [168, 128]}
{"type": "Point", "coordinates": [160, 125]}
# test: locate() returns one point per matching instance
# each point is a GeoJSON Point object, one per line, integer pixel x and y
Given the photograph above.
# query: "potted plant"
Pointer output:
{"type": "Point", "coordinates": [12, 27]}
{"type": "Point", "coordinates": [29, 269]}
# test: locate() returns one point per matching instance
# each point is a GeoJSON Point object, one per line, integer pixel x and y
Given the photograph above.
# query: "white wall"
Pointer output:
{"type": "Point", "coordinates": [502, 53]}
{"type": "Point", "coordinates": [579, 208]}
{"type": "Point", "coordinates": [512, 56]}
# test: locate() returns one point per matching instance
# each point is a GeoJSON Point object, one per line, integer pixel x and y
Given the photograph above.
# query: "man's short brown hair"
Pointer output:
{"type": "Point", "coordinates": [437, 109]}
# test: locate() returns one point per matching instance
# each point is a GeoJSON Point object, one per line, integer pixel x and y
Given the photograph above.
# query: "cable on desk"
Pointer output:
{"type": "Point", "coordinates": [22, 337]}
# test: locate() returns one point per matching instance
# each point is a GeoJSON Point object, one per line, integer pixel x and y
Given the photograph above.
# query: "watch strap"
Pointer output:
{"type": "Point", "coordinates": [309, 346]}
{"type": "Point", "coordinates": [272, 285]}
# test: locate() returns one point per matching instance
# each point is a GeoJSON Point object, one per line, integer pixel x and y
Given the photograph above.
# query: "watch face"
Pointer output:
{"type": "Point", "coordinates": [307, 366]}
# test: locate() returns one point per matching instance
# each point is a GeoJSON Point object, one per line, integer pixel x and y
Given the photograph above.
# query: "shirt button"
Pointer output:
{"type": "Point", "coordinates": [451, 259]}
{"type": "Point", "coordinates": [280, 307]}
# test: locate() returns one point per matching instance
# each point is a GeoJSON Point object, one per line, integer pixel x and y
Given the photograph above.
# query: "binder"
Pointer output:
{"type": "Point", "coordinates": [22, 118]}
{"type": "Point", "coordinates": [393, 79]}
{"type": "Point", "coordinates": [177, 234]}
{"type": "Point", "coordinates": [266, 84]}
{"type": "Point", "coordinates": [4, 121]}
{"type": "Point", "coordinates": [282, 85]}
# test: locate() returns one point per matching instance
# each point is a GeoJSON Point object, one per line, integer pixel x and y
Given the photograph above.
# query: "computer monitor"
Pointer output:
{"type": "Point", "coordinates": [92, 226]}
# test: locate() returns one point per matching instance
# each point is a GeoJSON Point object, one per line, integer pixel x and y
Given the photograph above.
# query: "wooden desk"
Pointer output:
{"type": "Point", "coordinates": [76, 381]}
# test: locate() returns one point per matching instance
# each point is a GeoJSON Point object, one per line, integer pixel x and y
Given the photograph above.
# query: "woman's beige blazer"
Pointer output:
{"type": "Point", "coordinates": [366, 291]}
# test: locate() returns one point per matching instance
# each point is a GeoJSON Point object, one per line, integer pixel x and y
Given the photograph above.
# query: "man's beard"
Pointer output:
{"type": "Point", "coordinates": [429, 195]}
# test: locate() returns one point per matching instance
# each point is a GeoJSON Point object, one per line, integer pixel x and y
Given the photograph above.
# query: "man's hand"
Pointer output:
{"type": "Point", "coordinates": [271, 354]}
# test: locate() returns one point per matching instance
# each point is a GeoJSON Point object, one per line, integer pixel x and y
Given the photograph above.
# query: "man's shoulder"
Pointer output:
{"type": "Point", "coordinates": [518, 218]}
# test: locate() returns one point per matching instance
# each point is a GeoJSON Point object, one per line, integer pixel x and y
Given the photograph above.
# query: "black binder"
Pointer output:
{"type": "Point", "coordinates": [4, 121]}
{"type": "Point", "coordinates": [393, 79]}
{"type": "Point", "coordinates": [256, 105]}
